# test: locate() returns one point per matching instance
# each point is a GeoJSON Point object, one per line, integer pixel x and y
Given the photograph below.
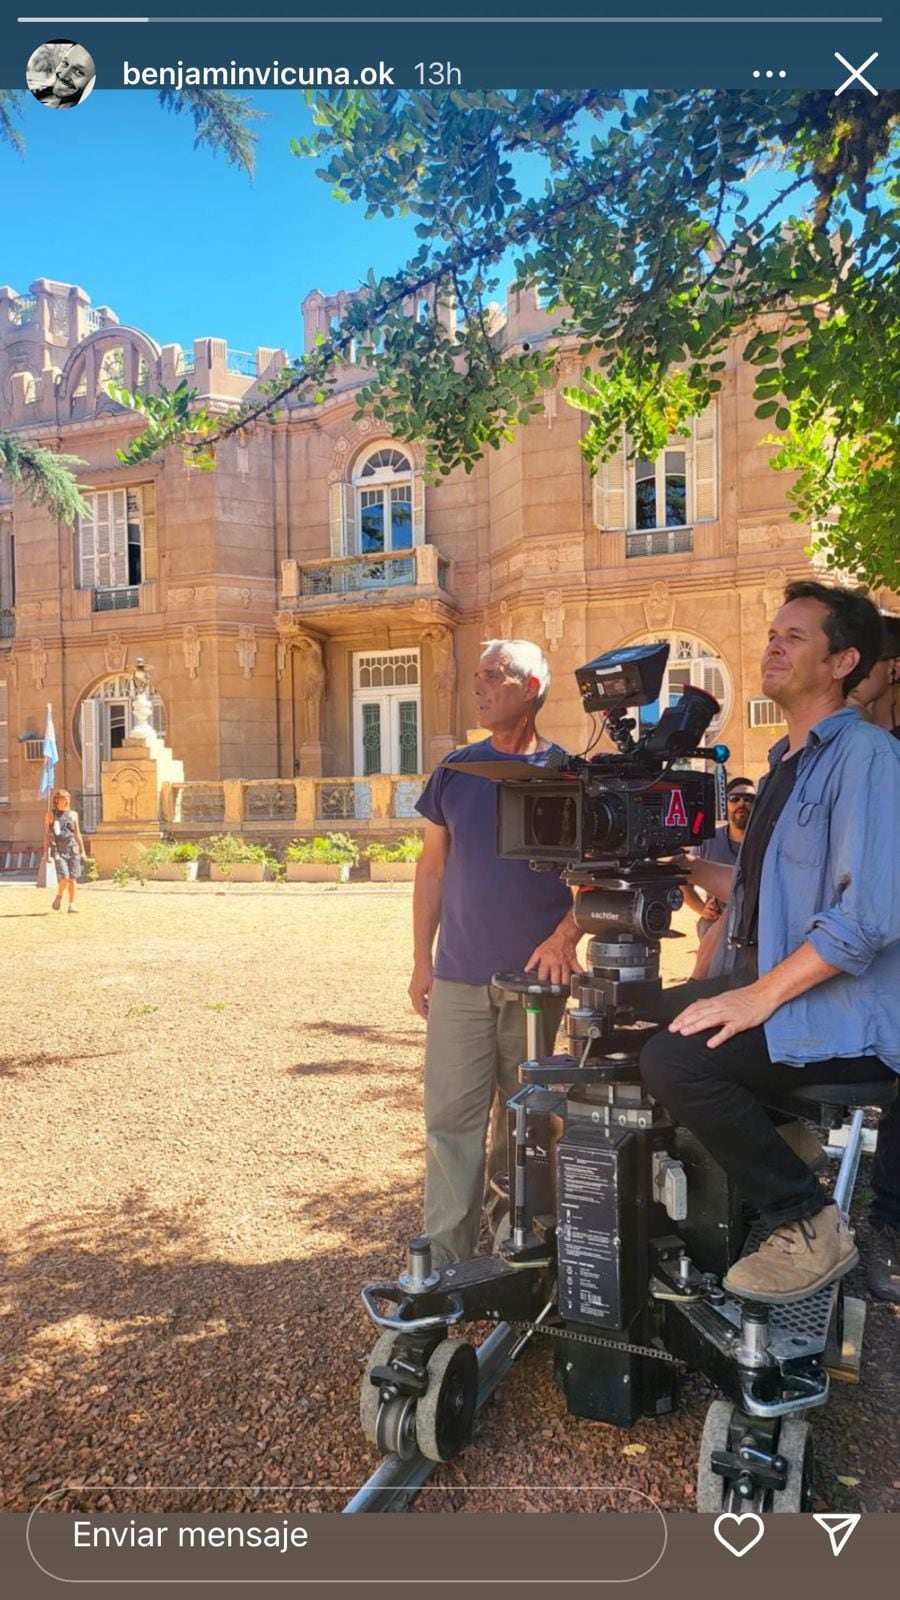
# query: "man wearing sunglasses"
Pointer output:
{"type": "Point", "coordinates": [723, 848]}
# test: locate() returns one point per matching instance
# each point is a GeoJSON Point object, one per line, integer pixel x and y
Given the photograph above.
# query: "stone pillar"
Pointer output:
{"type": "Point", "coordinates": [312, 690]}
{"type": "Point", "coordinates": [306, 802]}
{"type": "Point", "coordinates": [132, 785]}
{"type": "Point", "coordinates": [233, 793]}
{"type": "Point", "coordinates": [443, 685]}
{"type": "Point", "coordinates": [381, 788]}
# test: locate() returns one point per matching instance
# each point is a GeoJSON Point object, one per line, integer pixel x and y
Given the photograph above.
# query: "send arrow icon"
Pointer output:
{"type": "Point", "coordinates": [838, 1526]}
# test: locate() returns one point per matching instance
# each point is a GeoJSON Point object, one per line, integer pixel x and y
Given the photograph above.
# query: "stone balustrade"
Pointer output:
{"type": "Point", "coordinates": [292, 807]}
{"type": "Point", "coordinates": [422, 567]}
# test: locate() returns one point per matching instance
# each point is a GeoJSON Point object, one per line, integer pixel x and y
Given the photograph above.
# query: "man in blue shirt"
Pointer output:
{"type": "Point", "coordinates": [812, 944]}
{"type": "Point", "coordinates": [494, 916]}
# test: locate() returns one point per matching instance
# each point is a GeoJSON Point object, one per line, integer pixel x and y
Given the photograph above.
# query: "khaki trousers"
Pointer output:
{"type": "Point", "coordinates": [474, 1044]}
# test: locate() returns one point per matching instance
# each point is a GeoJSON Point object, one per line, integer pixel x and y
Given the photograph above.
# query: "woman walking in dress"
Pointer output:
{"type": "Point", "coordinates": [64, 846]}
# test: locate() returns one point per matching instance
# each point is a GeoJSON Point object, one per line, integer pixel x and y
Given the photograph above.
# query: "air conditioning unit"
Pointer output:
{"type": "Point", "coordinates": [764, 713]}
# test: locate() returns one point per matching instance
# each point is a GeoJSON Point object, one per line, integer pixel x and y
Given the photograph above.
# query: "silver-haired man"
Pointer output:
{"type": "Point", "coordinates": [493, 915]}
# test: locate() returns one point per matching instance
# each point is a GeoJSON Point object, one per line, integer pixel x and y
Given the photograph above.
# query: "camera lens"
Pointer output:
{"type": "Point", "coordinates": [552, 821]}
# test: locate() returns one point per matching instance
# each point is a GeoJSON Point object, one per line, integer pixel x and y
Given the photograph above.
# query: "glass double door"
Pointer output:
{"type": "Point", "coordinates": [386, 732]}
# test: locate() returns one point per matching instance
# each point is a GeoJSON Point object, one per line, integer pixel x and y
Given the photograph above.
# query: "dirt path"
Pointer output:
{"type": "Point", "coordinates": [210, 1132]}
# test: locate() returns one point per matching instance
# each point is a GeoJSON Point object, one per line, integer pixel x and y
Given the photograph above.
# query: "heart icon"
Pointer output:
{"type": "Point", "coordinates": [734, 1540]}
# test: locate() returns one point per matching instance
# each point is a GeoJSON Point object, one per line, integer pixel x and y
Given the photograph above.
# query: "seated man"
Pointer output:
{"type": "Point", "coordinates": [812, 942]}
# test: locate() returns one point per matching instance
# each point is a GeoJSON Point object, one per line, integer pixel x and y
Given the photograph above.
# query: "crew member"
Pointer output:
{"type": "Point", "coordinates": [813, 941]}
{"type": "Point", "coordinates": [494, 915]}
{"type": "Point", "coordinates": [722, 847]}
{"type": "Point", "coordinates": [878, 696]}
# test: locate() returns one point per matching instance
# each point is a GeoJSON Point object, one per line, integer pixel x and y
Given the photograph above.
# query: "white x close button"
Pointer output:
{"type": "Point", "coordinates": [856, 73]}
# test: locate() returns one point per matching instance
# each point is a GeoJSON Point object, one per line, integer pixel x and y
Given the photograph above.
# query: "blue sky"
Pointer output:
{"type": "Point", "coordinates": [113, 196]}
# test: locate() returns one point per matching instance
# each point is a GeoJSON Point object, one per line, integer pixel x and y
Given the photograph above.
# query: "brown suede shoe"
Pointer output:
{"type": "Point", "coordinates": [796, 1260]}
{"type": "Point", "coordinates": [804, 1144]}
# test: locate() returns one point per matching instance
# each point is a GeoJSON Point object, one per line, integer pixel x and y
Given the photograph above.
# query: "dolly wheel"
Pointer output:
{"type": "Point", "coordinates": [795, 1445]}
{"type": "Point", "coordinates": [370, 1393]}
{"type": "Point", "coordinates": [713, 1491]}
{"type": "Point", "coordinates": [446, 1411]}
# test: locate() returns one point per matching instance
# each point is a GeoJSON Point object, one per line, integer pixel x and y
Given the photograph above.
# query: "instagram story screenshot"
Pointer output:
{"type": "Point", "coordinates": [450, 670]}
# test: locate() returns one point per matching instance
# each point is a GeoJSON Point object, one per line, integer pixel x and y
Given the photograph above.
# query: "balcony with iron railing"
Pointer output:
{"type": "Point", "coordinates": [127, 598]}
{"type": "Point", "coordinates": [396, 579]}
{"type": "Point", "coordinates": [660, 542]}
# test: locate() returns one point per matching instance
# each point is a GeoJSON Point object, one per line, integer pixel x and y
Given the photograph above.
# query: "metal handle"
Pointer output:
{"type": "Point", "coordinates": [399, 1324]}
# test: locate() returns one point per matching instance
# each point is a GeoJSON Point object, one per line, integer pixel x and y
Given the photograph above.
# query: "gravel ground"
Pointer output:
{"type": "Point", "coordinates": [211, 1137]}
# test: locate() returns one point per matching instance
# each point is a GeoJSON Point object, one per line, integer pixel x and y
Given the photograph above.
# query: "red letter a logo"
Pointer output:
{"type": "Point", "coordinates": [676, 816]}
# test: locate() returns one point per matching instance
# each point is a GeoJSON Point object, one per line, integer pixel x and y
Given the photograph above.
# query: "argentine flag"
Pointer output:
{"type": "Point", "coordinates": [51, 756]}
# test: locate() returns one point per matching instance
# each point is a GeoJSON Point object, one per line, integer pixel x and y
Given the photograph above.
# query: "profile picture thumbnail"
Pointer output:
{"type": "Point", "coordinates": [60, 73]}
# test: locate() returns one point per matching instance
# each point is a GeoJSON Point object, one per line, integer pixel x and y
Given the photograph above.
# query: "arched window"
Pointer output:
{"type": "Point", "coordinates": [690, 661]}
{"type": "Point", "coordinates": [384, 511]}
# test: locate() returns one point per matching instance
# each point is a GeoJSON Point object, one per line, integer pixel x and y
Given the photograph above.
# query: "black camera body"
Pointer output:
{"type": "Point", "coordinates": [624, 808]}
{"type": "Point", "coordinates": [601, 815]}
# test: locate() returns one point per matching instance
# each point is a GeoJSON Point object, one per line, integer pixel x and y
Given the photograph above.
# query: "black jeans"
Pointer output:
{"type": "Point", "coordinates": [719, 1095]}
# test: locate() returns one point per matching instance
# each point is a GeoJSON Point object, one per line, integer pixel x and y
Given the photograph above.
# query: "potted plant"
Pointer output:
{"type": "Point", "coordinates": [325, 859]}
{"type": "Point", "coordinates": [169, 861]}
{"type": "Point", "coordinates": [395, 863]}
{"type": "Point", "coordinates": [234, 860]}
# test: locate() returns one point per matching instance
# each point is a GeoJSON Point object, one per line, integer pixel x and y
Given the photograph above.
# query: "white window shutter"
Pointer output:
{"type": "Point", "coordinates": [610, 511]}
{"type": "Point", "coordinates": [705, 464]}
{"type": "Point", "coordinates": [118, 544]}
{"type": "Point", "coordinates": [87, 548]}
{"type": "Point", "coordinates": [418, 508]}
{"type": "Point", "coordinates": [351, 538]}
{"type": "Point", "coordinates": [90, 745]}
{"type": "Point", "coordinates": [336, 519]}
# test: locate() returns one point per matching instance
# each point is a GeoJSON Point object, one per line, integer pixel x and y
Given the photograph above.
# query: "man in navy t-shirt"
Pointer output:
{"type": "Point", "coordinates": [493, 915]}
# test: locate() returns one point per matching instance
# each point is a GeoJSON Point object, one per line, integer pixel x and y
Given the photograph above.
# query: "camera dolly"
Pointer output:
{"type": "Point", "coordinates": [620, 1230]}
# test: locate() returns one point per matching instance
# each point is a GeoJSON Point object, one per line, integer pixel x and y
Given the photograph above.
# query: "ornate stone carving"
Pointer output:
{"type": "Point", "coordinates": [200, 802]}
{"type": "Point", "coordinates": [59, 318]}
{"type": "Point", "coordinates": [189, 597]}
{"type": "Point", "coordinates": [659, 606]}
{"type": "Point", "coordinates": [443, 678]}
{"type": "Point", "coordinates": [115, 653]}
{"type": "Point", "coordinates": [190, 644]}
{"type": "Point", "coordinates": [554, 617]}
{"type": "Point", "coordinates": [247, 648]}
{"type": "Point", "coordinates": [270, 802]}
{"type": "Point", "coordinates": [38, 663]}
{"type": "Point", "coordinates": [773, 591]}
{"type": "Point", "coordinates": [314, 680]}
{"type": "Point", "coordinates": [128, 783]}
{"type": "Point", "coordinates": [773, 536]}
{"type": "Point", "coordinates": [290, 580]}
{"type": "Point", "coordinates": [553, 558]}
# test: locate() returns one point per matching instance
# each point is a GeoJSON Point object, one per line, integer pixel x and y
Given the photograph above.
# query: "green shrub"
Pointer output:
{"type": "Point", "coordinates": [90, 872]}
{"type": "Point", "coordinates": [125, 874]}
{"type": "Point", "coordinates": [225, 851]}
{"type": "Point", "coordinates": [332, 849]}
{"type": "Point", "coordinates": [407, 848]}
{"type": "Point", "coordinates": [186, 850]}
{"type": "Point", "coordinates": [156, 855]}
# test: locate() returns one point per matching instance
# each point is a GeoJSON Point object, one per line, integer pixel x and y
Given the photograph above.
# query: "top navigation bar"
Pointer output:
{"type": "Point", "coordinates": [519, 46]}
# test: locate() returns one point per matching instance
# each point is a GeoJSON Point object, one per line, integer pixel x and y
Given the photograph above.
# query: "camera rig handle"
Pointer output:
{"type": "Point", "coordinates": [532, 992]}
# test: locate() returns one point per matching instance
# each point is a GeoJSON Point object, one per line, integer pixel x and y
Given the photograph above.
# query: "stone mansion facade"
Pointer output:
{"type": "Point", "coordinates": [311, 611]}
